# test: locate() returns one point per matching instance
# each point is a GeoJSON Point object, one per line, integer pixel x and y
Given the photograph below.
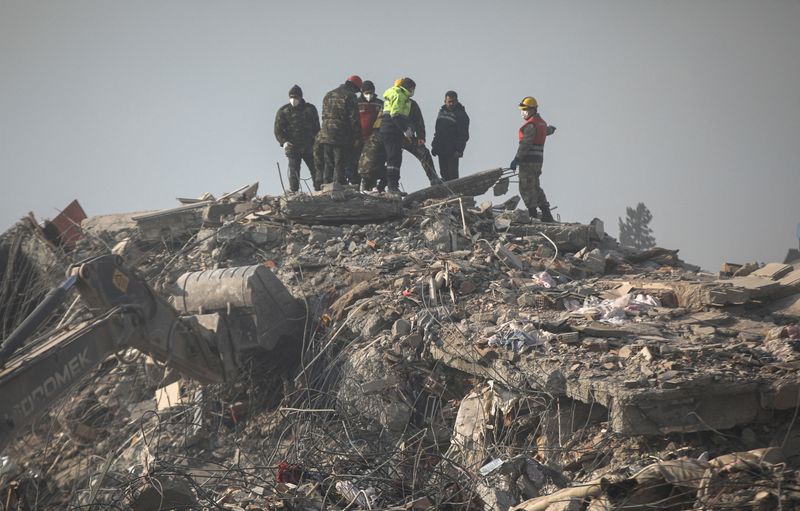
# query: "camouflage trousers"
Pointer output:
{"type": "Point", "coordinates": [372, 163]}
{"type": "Point", "coordinates": [529, 188]}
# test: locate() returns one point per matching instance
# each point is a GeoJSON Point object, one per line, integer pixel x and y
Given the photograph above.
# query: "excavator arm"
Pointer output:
{"type": "Point", "coordinates": [127, 314]}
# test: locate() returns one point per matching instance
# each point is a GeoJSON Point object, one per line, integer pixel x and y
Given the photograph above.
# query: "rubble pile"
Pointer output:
{"type": "Point", "coordinates": [457, 355]}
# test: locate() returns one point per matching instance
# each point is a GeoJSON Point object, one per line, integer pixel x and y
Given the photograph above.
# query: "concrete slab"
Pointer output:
{"type": "Point", "coordinates": [340, 207]}
{"type": "Point", "coordinates": [773, 271]}
{"type": "Point", "coordinates": [720, 391]}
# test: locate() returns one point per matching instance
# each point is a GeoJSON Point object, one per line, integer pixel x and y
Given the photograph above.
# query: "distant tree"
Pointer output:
{"type": "Point", "coordinates": [635, 231]}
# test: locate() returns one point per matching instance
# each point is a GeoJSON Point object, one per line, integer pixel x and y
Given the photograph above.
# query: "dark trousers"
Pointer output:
{"type": "Point", "coordinates": [335, 160]}
{"type": "Point", "coordinates": [393, 145]}
{"type": "Point", "coordinates": [423, 155]}
{"type": "Point", "coordinates": [448, 166]}
{"type": "Point", "coordinates": [294, 169]}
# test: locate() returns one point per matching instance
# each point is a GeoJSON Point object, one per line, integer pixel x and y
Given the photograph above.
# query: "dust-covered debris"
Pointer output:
{"type": "Point", "coordinates": [454, 356]}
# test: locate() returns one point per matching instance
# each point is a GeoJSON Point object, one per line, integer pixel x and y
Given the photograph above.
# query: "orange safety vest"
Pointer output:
{"type": "Point", "coordinates": [541, 129]}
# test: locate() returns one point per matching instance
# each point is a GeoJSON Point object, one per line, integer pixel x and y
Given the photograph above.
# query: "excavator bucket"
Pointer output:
{"type": "Point", "coordinates": [251, 296]}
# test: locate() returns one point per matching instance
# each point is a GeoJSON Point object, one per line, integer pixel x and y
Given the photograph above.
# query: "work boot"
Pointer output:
{"type": "Point", "coordinates": [532, 212]}
{"type": "Point", "coordinates": [435, 180]}
{"type": "Point", "coordinates": [393, 180]}
{"type": "Point", "coordinates": [362, 187]}
{"type": "Point", "coordinates": [546, 215]}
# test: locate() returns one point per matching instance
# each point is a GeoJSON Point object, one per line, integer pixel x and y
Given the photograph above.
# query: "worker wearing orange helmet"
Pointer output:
{"type": "Point", "coordinates": [530, 156]}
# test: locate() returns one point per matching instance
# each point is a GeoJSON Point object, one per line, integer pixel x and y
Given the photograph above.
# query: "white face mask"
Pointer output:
{"type": "Point", "coordinates": [294, 101]}
{"type": "Point", "coordinates": [369, 97]}
{"type": "Point", "coordinates": [525, 114]}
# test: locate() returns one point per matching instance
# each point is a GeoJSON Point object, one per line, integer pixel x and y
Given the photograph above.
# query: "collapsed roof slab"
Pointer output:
{"type": "Point", "coordinates": [715, 395]}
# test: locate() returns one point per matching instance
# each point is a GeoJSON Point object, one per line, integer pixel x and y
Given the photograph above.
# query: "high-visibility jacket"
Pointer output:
{"type": "Point", "coordinates": [396, 107]}
{"type": "Point", "coordinates": [532, 135]}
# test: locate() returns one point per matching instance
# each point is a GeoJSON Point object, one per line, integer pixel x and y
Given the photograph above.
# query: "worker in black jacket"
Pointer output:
{"type": "Point", "coordinates": [451, 135]}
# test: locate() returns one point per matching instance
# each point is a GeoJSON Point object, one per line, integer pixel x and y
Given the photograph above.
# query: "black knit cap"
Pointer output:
{"type": "Point", "coordinates": [367, 86]}
{"type": "Point", "coordinates": [296, 92]}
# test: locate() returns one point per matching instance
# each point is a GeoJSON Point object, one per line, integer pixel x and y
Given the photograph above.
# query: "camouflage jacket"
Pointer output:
{"type": "Point", "coordinates": [297, 125]}
{"type": "Point", "coordinates": [340, 120]}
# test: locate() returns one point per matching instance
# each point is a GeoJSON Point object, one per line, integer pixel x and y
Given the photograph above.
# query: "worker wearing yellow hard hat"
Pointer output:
{"type": "Point", "coordinates": [530, 156]}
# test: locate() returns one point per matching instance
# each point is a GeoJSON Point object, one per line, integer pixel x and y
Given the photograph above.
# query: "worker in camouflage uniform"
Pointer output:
{"type": "Point", "coordinates": [296, 125]}
{"type": "Point", "coordinates": [341, 129]}
{"type": "Point", "coordinates": [372, 162]}
{"type": "Point", "coordinates": [530, 156]}
{"type": "Point", "coordinates": [450, 138]}
{"type": "Point", "coordinates": [369, 108]}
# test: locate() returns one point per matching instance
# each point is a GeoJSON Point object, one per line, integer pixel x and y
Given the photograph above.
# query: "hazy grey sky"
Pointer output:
{"type": "Point", "coordinates": [690, 106]}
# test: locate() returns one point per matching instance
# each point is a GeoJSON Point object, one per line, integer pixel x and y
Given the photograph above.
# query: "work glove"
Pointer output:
{"type": "Point", "coordinates": [513, 164]}
{"type": "Point", "coordinates": [420, 141]}
{"type": "Point", "coordinates": [551, 130]}
{"type": "Point", "coordinates": [435, 180]}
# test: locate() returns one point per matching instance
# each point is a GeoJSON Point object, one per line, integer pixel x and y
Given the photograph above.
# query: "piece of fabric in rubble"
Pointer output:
{"type": "Point", "coordinates": [477, 409]}
{"type": "Point", "coordinates": [364, 499]}
{"type": "Point", "coordinates": [613, 311]}
{"type": "Point", "coordinates": [518, 336]}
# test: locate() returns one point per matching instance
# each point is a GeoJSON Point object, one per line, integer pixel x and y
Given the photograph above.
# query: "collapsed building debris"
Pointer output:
{"type": "Point", "coordinates": [454, 355]}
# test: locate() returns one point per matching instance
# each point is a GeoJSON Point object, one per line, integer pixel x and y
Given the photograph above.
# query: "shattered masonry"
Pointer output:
{"type": "Point", "coordinates": [460, 356]}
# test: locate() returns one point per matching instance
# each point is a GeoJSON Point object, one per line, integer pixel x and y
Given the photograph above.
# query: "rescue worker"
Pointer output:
{"type": "Point", "coordinates": [530, 156]}
{"type": "Point", "coordinates": [371, 165]}
{"type": "Point", "coordinates": [369, 108]}
{"type": "Point", "coordinates": [416, 143]}
{"type": "Point", "coordinates": [451, 135]}
{"type": "Point", "coordinates": [341, 129]}
{"type": "Point", "coordinates": [372, 162]}
{"type": "Point", "coordinates": [394, 127]}
{"type": "Point", "coordinates": [296, 125]}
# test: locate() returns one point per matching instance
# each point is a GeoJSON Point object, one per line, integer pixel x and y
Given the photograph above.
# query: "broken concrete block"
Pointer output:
{"type": "Point", "coordinates": [595, 262]}
{"type": "Point", "coordinates": [568, 504]}
{"type": "Point", "coordinates": [413, 339]}
{"type": "Point", "coordinates": [773, 271]}
{"type": "Point", "coordinates": [526, 300]}
{"type": "Point", "coordinates": [440, 234]}
{"type": "Point", "coordinates": [508, 257]}
{"type": "Point", "coordinates": [171, 224]}
{"type": "Point", "coordinates": [378, 386]}
{"type": "Point", "coordinates": [746, 270]}
{"type": "Point", "coordinates": [341, 207]}
{"type": "Point", "coordinates": [466, 287]}
{"type": "Point", "coordinates": [757, 287]}
{"type": "Point", "coordinates": [400, 328]}
{"type": "Point", "coordinates": [484, 317]}
{"type": "Point", "coordinates": [374, 324]}
{"type": "Point", "coordinates": [266, 234]}
{"type": "Point", "coordinates": [163, 493]}
{"type": "Point", "coordinates": [791, 279]}
{"type": "Point", "coordinates": [169, 396]}
{"type": "Point", "coordinates": [472, 185]}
